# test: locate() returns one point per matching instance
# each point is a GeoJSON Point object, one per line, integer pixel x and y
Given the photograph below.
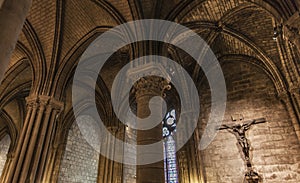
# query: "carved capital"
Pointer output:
{"type": "Point", "coordinates": [151, 79]}
{"type": "Point", "coordinates": [32, 101]}
{"type": "Point", "coordinates": [56, 105]}
{"type": "Point", "coordinates": [44, 101]}
{"type": "Point", "coordinates": [113, 129]}
{"type": "Point", "coordinates": [152, 85]}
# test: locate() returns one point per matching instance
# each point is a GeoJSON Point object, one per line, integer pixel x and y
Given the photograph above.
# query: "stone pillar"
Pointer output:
{"type": "Point", "coordinates": [12, 17]}
{"type": "Point", "coordinates": [109, 170]}
{"type": "Point", "coordinates": [105, 175]}
{"type": "Point", "coordinates": [200, 171]}
{"type": "Point", "coordinates": [119, 154]}
{"type": "Point", "coordinates": [145, 89]}
{"type": "Point", "coordinates": [189, 166]}
{"type": "Point", "coordinates": [189, 157]}
{"type": "Point", "coordinates": [33, 144]}
{"type": "Point", "coordinates": [55, 156]}
{"type": "Point", "coordinates": [183, 174]}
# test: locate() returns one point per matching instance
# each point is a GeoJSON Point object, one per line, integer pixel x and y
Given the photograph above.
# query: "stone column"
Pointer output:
{"type": "Point", "coordinates": [199, 164]}
{"type": "Point", "coordinates": [119, 154]}
{"type": "Point", "coordinates": [109, 170]}
{"type": "Point", "coordinates": [145, 89]}
{"type": "Point", "coordinates": [55, 156]}
{"type": "Point", "coordinates": [183, 174]}
{"type": "Point", "coordinates": [189, 170]}
{"type": "Point", "coordinates": [12, 17]}
{"type": "Point", "coordinates": [33, 144]}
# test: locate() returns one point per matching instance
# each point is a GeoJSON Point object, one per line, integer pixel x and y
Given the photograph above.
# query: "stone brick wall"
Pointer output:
{"type": "Point", "coordinates": [275, 148]}
{"type": "Point", "coordinates": [4, 146]}
{"type": "Point", "coordinates": [80, 160]}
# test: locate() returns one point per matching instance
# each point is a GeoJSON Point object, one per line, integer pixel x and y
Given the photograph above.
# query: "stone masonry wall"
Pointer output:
{"type": "Point", "coordinates": [275, 148]}
{"type": "Point", "coordinates": [80, 160]}
{"type": "Point", "coordinates": [4, 146]}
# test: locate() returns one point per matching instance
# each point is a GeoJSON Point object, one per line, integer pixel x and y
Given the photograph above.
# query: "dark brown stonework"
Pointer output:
{"type": "Point", "coordinates": [38, 62]}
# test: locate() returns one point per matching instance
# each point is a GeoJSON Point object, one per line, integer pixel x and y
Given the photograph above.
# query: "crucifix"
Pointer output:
{"type": "Point", "coordinates": [239, 131]}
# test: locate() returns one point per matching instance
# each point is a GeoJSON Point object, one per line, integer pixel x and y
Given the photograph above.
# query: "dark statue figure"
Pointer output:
{"type": "Point", "coordinates": [240, 133]}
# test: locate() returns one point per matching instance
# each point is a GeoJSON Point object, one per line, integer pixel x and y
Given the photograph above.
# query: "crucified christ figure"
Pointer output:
{"type": "Point", "coordinates": [240, 133]}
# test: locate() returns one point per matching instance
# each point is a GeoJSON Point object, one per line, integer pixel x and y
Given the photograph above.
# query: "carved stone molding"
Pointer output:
{"type": "Point", "coordinates": [44, 101]}
{"type": "Point", "coordinates": [291, 29]}
{"type": "Point", "coordinates": [152, 79]}
{"type": "Point", "coordinates": [152, 85]}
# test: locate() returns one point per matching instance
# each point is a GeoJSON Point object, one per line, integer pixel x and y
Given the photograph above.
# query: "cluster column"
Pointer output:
{"type": "Point", "coordinates": [32, 149]}
{"type": "Point", "coordinates": [109, 170]}
{"type": "Point", "coordinates": [189, 157]}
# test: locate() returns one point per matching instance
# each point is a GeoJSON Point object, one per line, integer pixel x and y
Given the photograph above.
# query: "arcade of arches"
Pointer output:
{"type": "Point", "coordinates": [256, 42]}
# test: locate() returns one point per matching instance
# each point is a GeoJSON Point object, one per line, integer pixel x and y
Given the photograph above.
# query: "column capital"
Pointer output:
{"type": "Point", "coordinates": [151, 79]}
{"type": "Point", "coordinates": [44, 100]}
{"type": "Point", "coordinates": [57, 105]}
{"type": "Point", "coordinates": [32, 101]}
{"type": "Point", "coordinates": [37, 99]}
{"type": "Point", "coordinates": [151, 85]}
{"type": "Point", "coordinates": [113, 129]}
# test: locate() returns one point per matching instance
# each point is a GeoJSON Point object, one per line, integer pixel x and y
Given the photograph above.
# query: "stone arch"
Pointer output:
{"type": "Point", "coordinates": [277, 81]}
{"type": "Point", "coordinates": [37, 57]}
{"type": "Point", "coordinates": [8, 140]}
{"type": "Point", "coordinates": [11, 89]}
{"type": "Point", "coordinates": [71, 60]}
{"type": "Point", "coordinates": [187, 6]}
{"type": "Point", "coordinates": [12, 129]}
{"type": "Point", "coordinates": [280, 85]}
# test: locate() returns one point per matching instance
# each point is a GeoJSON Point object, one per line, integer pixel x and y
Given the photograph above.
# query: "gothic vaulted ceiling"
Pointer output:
{"type": "Point", "coordinates": [56, 33]}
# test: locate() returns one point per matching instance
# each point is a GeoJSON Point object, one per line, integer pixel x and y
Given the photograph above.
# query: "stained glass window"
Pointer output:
{"type": "Point", "coordinates": [169, 129]}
